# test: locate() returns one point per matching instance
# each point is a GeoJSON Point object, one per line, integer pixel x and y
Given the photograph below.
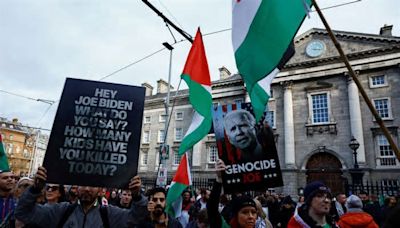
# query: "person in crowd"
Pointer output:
{"type": "Point", "coordinates": [223, 201]}
{"type": "Point", "coordinates": [286, 211]}
{"type": "Point", "coordinates": [72, 195]}
{"type": "Point", "coordinates": [262, 220]}
{"type": "Point", "coordinates": [371, 206]}
{"type": "Point", "coordinates": [55, 193]}
{"type": "Point", "coordinates": [201, 221]}
{"type": "Point", "coordinates": [300, 201]}
{"type": "Point", "coordinates": [125, 199]}
{"type": "Point", "coordinates": [244, 209]}
{"type": "Point", "coordinates": [388, 206]}
{"type": "Point", "coordinates": [114, 198]}
{"type": "Point", "coordinates": [273, 209]}
{"type": "Point", "coordinates": [240, 128]}
{"type": "Point", "coordinates": [22, 184]}
{"type": "Point", "coordinates": [356, 217]}
{"type": "Point", "coordinates": [338, 206]}
{"type": "Point", "coordinates": [200, 203]}
{"type": "Point", "coordinates": [86, 213]}
{"type": "Point", "coordinates": [156, 216]}
{"type": "Point", "coordinates": [393, 218]}
{"type": "Point", "coordinates": [186, 205]}
{"type": "Point", "coordinates": [315, 211]}
{"type": "Point", "coordinates": [7, 200]}
{"type": "Point", "coordinates": [264, 206]}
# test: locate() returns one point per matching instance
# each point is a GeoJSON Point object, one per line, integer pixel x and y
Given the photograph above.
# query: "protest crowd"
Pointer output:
{"type": "Point", "coordinates": [29, 202]}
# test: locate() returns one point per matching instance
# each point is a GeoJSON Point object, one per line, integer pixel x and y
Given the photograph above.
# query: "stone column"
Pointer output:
{"type": "Point", "coordinates": [288, 126]}
{"type": "Point", "coordinates": [355, 119]}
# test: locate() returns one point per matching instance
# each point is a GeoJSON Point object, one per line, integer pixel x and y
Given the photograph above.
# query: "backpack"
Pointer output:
{"type": "Point", "coordinates": [71, 208]}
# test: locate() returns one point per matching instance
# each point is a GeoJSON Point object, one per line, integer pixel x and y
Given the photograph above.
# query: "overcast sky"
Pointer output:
{"type": "Point", "coordinates": [43, 42]}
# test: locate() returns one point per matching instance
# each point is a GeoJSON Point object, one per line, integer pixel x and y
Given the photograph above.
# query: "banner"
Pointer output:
{"type": "Point", "coordinates": [247, 149]}
{"type": "Point", "coordinates": [95, 137]}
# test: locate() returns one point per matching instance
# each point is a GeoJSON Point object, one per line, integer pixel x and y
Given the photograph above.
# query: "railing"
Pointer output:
{"type": "Point", "coordinates": [383, 187]}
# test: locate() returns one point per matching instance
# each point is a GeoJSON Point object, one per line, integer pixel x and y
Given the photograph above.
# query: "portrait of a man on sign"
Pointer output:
{"type": "Point", "coordinates": [247, 149]}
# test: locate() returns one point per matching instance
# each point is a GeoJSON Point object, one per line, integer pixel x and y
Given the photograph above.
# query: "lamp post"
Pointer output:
{"type": "Point", "coordinates": [354, 145]}
{"type": "Point", "coordinates": [356, 173]}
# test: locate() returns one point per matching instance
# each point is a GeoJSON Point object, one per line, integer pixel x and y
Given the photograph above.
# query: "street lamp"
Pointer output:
{"type": "Point", "coordinates": [354, 145]}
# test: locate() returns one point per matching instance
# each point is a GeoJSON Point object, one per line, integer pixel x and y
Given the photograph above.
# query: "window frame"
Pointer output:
{"type": "Point", "coordinates": [209, 151]}
{"type": "Point", "coordinates": [175, 134]}
{"type": "Point", "coordinates": [311, 110]}
{"type": "Point", "coordinates": [176, 115]}
{"type": "Point", "coordinates": [177, 159]}
{"type": "Point", "coordinates": [389, 105]}
{"type": "Point", "coordinates": [380, 154]}
{"type": "Point", "coordinates": [159, 138]}
{"type": "Point", "coordinates": [149, 137]}
{"type": "Point", "coordinates": [145, 119]}
{"type": "Point", "coordinates": [161, 119]}
{"type": "Point", "coordinates": [372, 86]}
{"type": "Point", "coordinates": [144, 154]}
{"type": "Point", "coordinates": [273, 126]}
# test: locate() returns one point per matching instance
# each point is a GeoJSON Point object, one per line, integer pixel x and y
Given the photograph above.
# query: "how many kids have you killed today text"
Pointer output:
{"type": "Point", "coordinates": [100, 135]}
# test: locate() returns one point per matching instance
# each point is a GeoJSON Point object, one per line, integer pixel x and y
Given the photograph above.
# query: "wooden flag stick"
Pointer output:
{"type": "Point", "coordinates": [358, 83]}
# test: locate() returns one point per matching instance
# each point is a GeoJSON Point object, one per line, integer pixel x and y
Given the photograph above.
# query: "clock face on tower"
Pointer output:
{"type": "Point", "coordinates": [315, 48]}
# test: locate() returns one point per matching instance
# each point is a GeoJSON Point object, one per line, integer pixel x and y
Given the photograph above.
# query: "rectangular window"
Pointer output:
{"type": "Point", "coordinates": [386, 155]}
{"type": "Point", "coordinates": [382, 106]}
{"type": "Point", "coordinates": [238, 101]}
{"type": "Point", "coordinates": [161, 135]}
{"type": "Point", "coordinates": [320, 108]}
{"type": "Point", "coordinates": [10, 148]}
{"type": "Point", "coordinates": [145, 157]}
{"type": "Point", "coordinates": [377, 81]}
{"type": "Point", "coordinates": [162, 118]}
{"type": "Point", "coordinates": [270, 118]}
{"type": "Point", "coordinates": [179, 116]}
{"type": "Point", "coordinates": [177, 158]}
{"type": "Point", "coordinates": [147, 119]}
{"type": "Point", "coordinates": [212, 154]}
{"type": "Point", "coordinates": [146, 137]}
{"type": "Point", "coordinates": [178, 134]}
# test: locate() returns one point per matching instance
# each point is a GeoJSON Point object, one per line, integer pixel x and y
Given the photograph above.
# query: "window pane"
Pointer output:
{"type": "Point", "coordinates": [178, 134]}
{"type": "Point", "coordinates": [147, 119]}
{"type": "Point", "coordinates": [146, 137]}
{"type": "Point", "coordinates": [382, 106]}
{"type": "Point", "coordinates": [320, 108]}
{"type": "Point", "coordinates": [161, 136]}
{"type": "Point", "coordinates": [270, 118]}
{"type": "Point", "coordinates": [179, 116]}
{"type": "Point", "coordinates": [145, 156]}
{"type": "Point", "coordinates": [177, 158]}
{"type": "Point", "coordinates": [378, 80]}
{"type": "Point", "coordinates": [212, 154]}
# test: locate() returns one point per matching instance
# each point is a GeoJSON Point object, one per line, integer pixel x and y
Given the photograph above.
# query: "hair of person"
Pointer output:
{"type": "Point", "coordinates": [202, 216]}
{"type": "Point", "coordinates": [187, 191]}
{"type": "Point", "coordinates": [243, 114]}
{"type": "Point", "coordinates": [203, 191]}
{"type": "Point", "coordinates": [155, 190]}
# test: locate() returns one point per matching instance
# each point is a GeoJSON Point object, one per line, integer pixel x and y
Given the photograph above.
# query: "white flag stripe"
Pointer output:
{"type": "Point", "coordinates": [243, 13]}
{"type": "Point", "coordinates": [265, 83]}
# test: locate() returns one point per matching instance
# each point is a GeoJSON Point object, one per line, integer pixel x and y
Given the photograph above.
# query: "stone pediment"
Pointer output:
{"type": "Point", "coordinates": [353, 44]}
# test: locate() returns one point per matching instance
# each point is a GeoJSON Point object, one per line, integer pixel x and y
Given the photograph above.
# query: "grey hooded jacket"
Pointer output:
{"type": "Point", "coordinates": [49, 215]}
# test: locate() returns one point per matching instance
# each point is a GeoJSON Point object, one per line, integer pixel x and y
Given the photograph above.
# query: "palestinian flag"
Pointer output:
{"type": "Point", "coordinates": [3, 157]}
{"type": "Point", "coordinates": [262, 32]}
{"type": "Point", "coordinates": [197, 77]}
{"type": "Point", "coordinates": [181, 181]}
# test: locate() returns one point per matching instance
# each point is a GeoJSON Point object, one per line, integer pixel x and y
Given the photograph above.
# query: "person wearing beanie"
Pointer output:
{"type": "Point", "coordinates": [355, 216]}
{"type": "Point", "coordinates": [315, 211]}
{"type": "Point", "coordinates": [244, 209]}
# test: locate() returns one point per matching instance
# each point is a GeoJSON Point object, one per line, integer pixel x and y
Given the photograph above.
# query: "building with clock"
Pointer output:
{"type": "Point", "coordinates": [315, 110]}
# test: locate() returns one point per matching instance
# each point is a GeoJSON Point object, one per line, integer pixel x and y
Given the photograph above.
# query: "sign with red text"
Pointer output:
{"type": "Point", "coordinates": [96, 134]}
{"type": "Point", "coordinates": [247, 148]}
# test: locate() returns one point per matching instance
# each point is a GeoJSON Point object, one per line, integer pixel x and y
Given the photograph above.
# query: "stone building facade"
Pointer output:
{"type": "Point", "coordinates": [315, 110]}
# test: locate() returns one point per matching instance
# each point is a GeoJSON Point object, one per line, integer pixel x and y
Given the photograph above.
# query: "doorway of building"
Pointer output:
{"type": "Point", "coordinates": [326, 167]}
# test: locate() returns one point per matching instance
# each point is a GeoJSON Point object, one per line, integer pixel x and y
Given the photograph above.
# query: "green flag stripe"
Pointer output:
{"type": "Point", "coordinates": [174, 193]}
{"type": "Point", "coordinates": [199, 97]}
{"type": "Point", "coordinates": [196, 135]}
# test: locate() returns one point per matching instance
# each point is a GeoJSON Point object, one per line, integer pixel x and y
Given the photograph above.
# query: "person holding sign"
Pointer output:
{"type": "Point", "coordinates": [244, 209]}
{"type": "Point", "coordinates": [240, 127]}
{"type": "Point", "coordinates": [87, 212]}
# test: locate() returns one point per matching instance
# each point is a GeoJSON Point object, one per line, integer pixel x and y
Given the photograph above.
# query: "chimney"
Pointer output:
{"type": "Point", "coordinates": [224, 73]}
{"type": "Point", "coordinates": [162, 86]}
{"type": "Point", "coordinates": [386, 30]}
{"type": "Point", "coordinates": [149, 89]}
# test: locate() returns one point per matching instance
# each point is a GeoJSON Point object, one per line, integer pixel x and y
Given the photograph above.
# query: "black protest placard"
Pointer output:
{"type": "Point", "coordinates": [95, 137]}
{"type": "Point", "coordinates": [247, 149]}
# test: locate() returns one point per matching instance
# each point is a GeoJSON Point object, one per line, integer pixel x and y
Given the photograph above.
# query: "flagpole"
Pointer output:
{"type": "Point", "coordinates": [358, 83]}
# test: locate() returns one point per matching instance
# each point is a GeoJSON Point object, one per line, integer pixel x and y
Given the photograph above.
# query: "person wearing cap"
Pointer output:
{"type": "Point", "coordinates": [315, 211]}
{"type": "Point", "coordinates": [355, 216]}
{"type": "Point", "coordinates": [244, 209]}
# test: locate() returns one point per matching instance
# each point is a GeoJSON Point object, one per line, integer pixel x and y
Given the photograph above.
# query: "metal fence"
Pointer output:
{"type": "Point", "coordinates": [383, 187]}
